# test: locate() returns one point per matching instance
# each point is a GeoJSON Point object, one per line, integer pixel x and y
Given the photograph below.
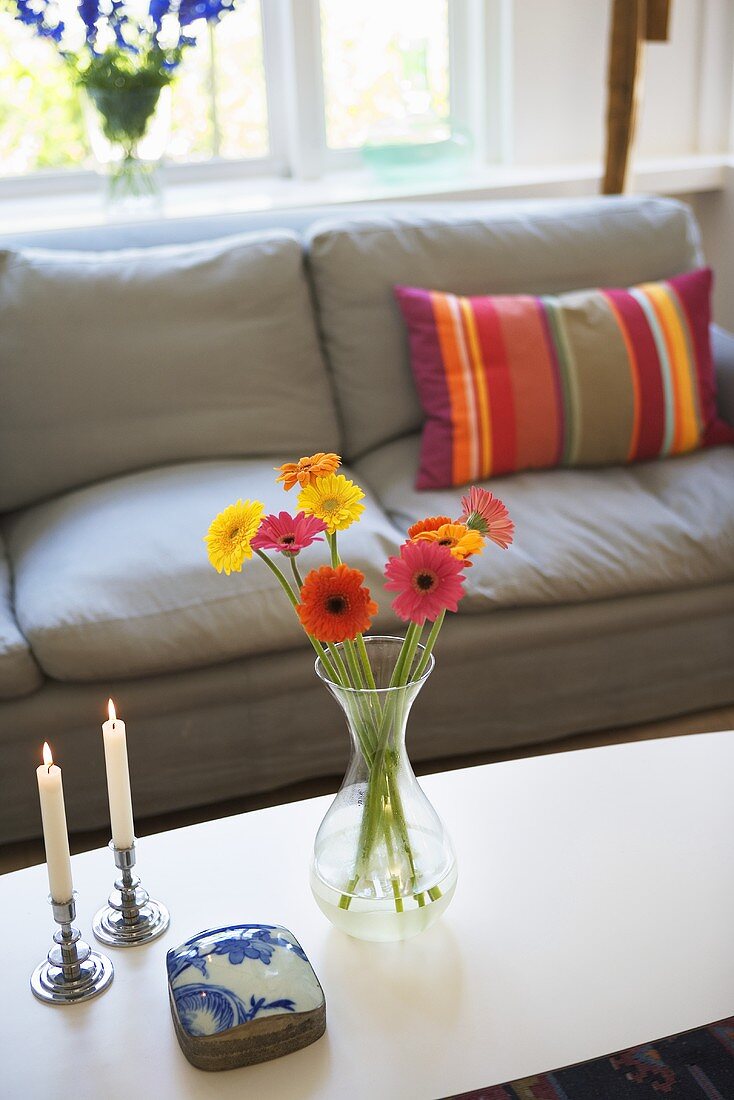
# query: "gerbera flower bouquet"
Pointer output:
{"type": "Point", "coordinates": [383, 864]}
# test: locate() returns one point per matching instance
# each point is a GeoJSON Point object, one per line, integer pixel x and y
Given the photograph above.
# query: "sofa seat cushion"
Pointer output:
{"type": "Point", "coordinates": [581, 534]}
{"type": "Point", "coordinates": [113, 581]}
{"type": "Point", "coordinates": [19, 673]}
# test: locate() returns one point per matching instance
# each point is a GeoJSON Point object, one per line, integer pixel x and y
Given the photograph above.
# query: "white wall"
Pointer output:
{"type": "Point", "coordinates": [559, 71]}
{"type": "Point", "coordinates": [715, 213]}
{"type": "Point", "coordinates": [557, 89]}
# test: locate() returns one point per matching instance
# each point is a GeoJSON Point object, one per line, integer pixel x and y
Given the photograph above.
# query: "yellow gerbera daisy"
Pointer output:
{"type": "Point", "coordinates": [333, 499]}
{"type": "Point", "coordinates": [460, 539]}
{"type": "Point", "coordinates": [231, 533]}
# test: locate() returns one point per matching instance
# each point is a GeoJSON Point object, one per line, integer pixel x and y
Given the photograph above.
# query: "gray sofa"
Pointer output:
{"type": "Point", "coordinates": [144, 390]}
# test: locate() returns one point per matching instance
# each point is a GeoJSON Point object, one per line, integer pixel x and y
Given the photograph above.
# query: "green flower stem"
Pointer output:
{"type": "Point", "coordinates": [282, 581]}
{"type": "Point", "coordinates": [356, 705]}
{"type": "Point", "coordinates": [296, 574]}
{"type": "Point", "coordinates": [397, 802]}
{"type": "Point", "coordinates": [346, 897]}
{"type": "Point", "coordinates": [318, 648]}
{"type": "Point", "coordinates": [370, 730]}
{"type": "Point", "coordinates": [335, 559]}
{"type": "Point", "coordinates": [391, 856]}
{"type": "Point", "coordinates": [411, 636]}
{"type": "Point", "coordinates": [430, 643]}
{"type": "Point", "coordinates": [373, 814]}
{"type": "Point", "coordinates": [353, 663]}
{"type": "Point", "coordinates": [392, 720]}
{"type": "Point", "coordinates": [362, 650]}
{"type": "Point", "coordinates": [335, 655]}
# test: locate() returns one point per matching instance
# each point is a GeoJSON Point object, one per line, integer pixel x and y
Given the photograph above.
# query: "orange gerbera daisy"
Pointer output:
{"type": "Point", "coordinates": [306, 470]}
{"type": "Point", "coordinates": [432, 523]}
{"type": "Point", "coordinates": [461, 541]}
{"type": "Point", "coordinates": [335, 605]}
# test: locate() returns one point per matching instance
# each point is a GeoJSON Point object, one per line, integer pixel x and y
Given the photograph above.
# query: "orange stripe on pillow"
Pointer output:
{"type": "Point", "coordinates": [461, 447]}
{"type": "Point", "coordinates": [685, 365]}
{"type": "Point", "coordinates": [480, 385]}
{"type": "Point", "coordinates": [680, 309]}
{"type": "Point", "coordinates": [468, 381]}
{"type": "Point", "coordinates": [499, 381]}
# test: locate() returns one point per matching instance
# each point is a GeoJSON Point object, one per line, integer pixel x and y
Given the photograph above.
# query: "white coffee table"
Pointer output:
{"type": "Point", "coordinates": [594, 911]}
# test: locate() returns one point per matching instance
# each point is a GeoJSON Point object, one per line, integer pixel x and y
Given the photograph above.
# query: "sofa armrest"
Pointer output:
{"type": "Point", "coordinates": [722, 346]}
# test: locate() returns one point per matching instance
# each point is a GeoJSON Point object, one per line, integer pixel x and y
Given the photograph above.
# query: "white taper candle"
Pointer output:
{"type": "Point", "coordinates": [118, 780]}
{"type": "Point", "coordinates": [55, 835]}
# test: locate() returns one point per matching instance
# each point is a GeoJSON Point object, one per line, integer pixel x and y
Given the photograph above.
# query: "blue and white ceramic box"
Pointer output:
{"type": "Point", "coordinates": [242, 994]}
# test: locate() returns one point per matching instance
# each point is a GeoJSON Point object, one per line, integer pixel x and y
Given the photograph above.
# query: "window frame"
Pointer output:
{"type": "Point", "coordinates": [479, 71]}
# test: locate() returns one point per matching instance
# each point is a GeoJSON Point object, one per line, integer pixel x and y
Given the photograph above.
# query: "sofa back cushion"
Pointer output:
{"type": "Point", "coordinates": [116, 361]}
{"type": "Point", "coordinates": [473, 249]}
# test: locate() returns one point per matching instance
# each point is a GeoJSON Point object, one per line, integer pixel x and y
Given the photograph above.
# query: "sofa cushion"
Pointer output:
{"type": "Point", "coordinates": [583, 535]}
{"type": "Point", "coordinates": [116, 361]}
{"type": "Point", "coordinates": [591, 378]}
{"type": "Point", "coordinates": [113, 581]}
{"type": "Point", "coordinates": [487, 248]}
{"type": "Point", "coordinates": [19, 673]}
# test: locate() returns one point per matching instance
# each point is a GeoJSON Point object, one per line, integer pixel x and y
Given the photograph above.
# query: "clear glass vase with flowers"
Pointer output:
{"type": "Point", "coordinates": [383, 866]}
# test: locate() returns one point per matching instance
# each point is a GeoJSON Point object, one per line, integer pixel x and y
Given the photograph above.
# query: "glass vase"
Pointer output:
{"type": "Point", "coordinates": [383, 865]}
{"type": "Point", "coordinates": [128, 132]}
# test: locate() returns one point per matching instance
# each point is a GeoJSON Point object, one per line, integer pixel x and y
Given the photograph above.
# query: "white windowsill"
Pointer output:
{"type": "Point", "coordinates": [231, 195]}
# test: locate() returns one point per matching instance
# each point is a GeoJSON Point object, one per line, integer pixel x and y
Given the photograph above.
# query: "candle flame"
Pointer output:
{"type": "Point", "coordinates": [111, 710]}
{"type": "Point", "coordinates": [47, 755]}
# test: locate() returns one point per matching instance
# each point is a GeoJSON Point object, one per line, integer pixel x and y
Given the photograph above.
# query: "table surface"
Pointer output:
{"type": "Point", "coordinates": [594, 911]}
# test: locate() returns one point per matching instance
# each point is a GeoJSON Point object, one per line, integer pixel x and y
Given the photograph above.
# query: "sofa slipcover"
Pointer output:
{"type": "Point", "coordinates": [117, 361]}
{"type": "Point", "coordinates": [581, 534]}
{"type": "Point", "coordinates": [515, 677]}
{"type": "Point", "coordinates": [113, 581]}
{"type": "Point", "coordinates": [19, 673]}
{"type": "Point", "coordinates": [485, 248]}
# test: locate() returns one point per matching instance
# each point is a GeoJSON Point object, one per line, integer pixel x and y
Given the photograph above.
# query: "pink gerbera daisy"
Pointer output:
{"type": "Point", "coordinates": [485, 513]}
{"type": "Point", "coordinates": [428, 580]}
{"type": "Point", "coordinates": [288, 534]}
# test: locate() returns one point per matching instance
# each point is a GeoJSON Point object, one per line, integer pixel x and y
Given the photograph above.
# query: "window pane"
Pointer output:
{"type": "Point", "coordinates": [222, 113]}
{"type": "Point", "coordinates": [386, 66]}
{"type": "Point", "coordinates": [225, 113]}
{"type": "Point", "coordinates": [41, 123]}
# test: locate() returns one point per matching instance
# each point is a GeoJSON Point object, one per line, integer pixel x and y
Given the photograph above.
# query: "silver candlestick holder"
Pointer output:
{"type": "Point", "coordinates": [72, 972]}
{"type": "Point", "coordinates": [130, 916]}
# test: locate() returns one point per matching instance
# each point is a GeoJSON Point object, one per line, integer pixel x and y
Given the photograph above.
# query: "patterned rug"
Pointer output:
{"type": "Point", "coordinates": [696, 1065]}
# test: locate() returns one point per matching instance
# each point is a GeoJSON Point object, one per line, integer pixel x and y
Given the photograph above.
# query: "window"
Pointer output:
{"type": "Point", "coordinates": [41, 122]}
{"type": "Point", "coordinates": [384, 63]}
{"type": "Point", "coordinates": [219, 100]}
{"type": "Point", "coordinates": [289, 86]}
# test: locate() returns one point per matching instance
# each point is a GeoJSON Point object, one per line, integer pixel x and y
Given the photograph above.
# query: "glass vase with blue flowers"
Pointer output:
{"type": "Point", "coordinates": [124, 55]}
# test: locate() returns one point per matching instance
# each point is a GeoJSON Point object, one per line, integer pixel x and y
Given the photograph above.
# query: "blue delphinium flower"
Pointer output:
{"type": "Point", "coordinates": [89, 14]}
{"type": "Point", "coordinates": [34, 15]}
{"type": "Point", "coordinates": [131, 37]}
{"type": "Point", "coordinates": [122, 55]}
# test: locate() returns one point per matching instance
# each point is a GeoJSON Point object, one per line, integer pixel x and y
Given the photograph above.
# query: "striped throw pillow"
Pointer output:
{"type": "Point", "coordinates": [589, 378]}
